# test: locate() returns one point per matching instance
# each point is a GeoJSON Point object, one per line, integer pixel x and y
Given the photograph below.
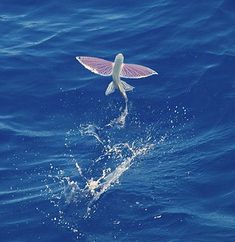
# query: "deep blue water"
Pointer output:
{"type": "Point", "coordinates": [68, 170]}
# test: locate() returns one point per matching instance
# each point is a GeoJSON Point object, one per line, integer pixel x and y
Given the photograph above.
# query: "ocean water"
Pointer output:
{"type": "Point", "coordinates": [76, 165]}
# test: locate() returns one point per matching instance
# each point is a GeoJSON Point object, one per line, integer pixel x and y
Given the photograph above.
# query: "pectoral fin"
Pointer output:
{"type": "Point", "coordinates": [136, 71]}
{"type": "Point", "coordinates": [127, 87]}
{"type": "Point", "coordinates": [96, 65]}
{"type": "Point", "coordinates": [110, 89]}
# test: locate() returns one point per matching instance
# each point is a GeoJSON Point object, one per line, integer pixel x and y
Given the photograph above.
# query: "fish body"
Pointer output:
{"type": "Point", "coordinates": [117, 82]}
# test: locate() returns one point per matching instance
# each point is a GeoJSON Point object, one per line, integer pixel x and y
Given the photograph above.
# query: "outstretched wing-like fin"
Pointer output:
{"type": "Point", "coordinates": [96, 65]}
{"type": "Point", "coordinates": [136, 71]}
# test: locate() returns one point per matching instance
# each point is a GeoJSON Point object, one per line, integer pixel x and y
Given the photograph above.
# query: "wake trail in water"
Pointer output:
{"type": "Point", "coordinates": [101, 154]}
{"type": "Point", "coordinates": [92, 178]}
{"type": "Point", "coordinates": [121, 120]}
{"type": "Point", "coordinates": [107, 179]}
{"type": "Point", "coordinates": [122, 154]}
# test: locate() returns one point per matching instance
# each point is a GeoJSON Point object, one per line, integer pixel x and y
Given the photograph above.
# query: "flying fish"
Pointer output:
{"type": "Point", "coordinates": [117, 69]}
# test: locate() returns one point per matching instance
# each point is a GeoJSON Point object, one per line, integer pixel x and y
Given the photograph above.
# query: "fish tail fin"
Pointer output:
{"type": "Point", "coordinates": [110, 89]}
{"type": "Point", "coordinates": [127, 87]}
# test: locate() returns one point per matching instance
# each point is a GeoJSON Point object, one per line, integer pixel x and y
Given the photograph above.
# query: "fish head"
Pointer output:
{"type": "Point", "coordinates": [119, 58]}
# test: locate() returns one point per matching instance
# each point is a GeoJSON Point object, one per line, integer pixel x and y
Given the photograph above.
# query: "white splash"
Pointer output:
{"type": "Point", "coordinates": [75, 190]}
{"type": "Point", "coordinates": [120, 121]}
{"type": "Point", "coordinates": [92, 178]}
{"type": "Point", "coordinates": [109, 178]}
{"type": "Point", "coordinates": [90, 130]}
